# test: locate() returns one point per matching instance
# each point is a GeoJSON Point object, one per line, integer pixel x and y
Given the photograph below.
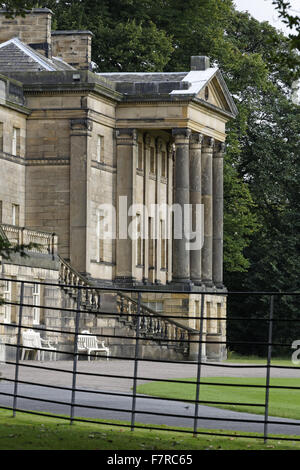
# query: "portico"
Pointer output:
{"type": "Point", "coordinates": [169, 151]}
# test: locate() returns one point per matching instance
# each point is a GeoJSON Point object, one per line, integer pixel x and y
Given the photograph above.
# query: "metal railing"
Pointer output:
{"type": "Point", "coordinates": [196, 419]}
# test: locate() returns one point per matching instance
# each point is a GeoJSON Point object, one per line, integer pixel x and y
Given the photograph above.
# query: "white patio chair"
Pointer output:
{"type": "Point", "coordinates": [32, 341]}
{"type": "Point", "coordinates": [90, 344]}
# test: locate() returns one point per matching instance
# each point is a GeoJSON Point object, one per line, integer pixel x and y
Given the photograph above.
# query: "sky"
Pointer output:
{"type": "Point", "coordinates": [264, 10]}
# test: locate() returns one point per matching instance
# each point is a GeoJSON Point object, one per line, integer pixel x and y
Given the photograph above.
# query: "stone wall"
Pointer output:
{"type": "Point", "coordinates": [188, 306]}
{"type": "Point", "coordinates": [50, 296]}
{"type": "Point", "coordinates": [12, 174]}
{"type": "Point", "coordinates": [33, 29]}
{"type": "Point", "coordinates": [74, 47]}
{"type": "Point", "coordinates": [48, 167]}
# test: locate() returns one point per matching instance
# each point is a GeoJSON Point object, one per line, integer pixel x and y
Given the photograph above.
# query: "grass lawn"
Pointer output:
{"type": "Point", "coordinates": [283, 403]}
{"type": "Point", "coordinates": [31, 432]}
{"type": "Point", "coordinates": [278, 361]}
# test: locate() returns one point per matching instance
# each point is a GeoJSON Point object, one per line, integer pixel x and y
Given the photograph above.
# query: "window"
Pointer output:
{"type": "Point", "coordinates": [219, 315]}
{"type": "Point", "coordinates": [100, 236]}
{"type": "Point", "coordinates": [36, 294]}
{"type": "Point", "coordinates": [197, 315]}
{"type": "Point", "coordinates": [151, 245]}
{"type": "Point", "coordinates": [209, 321]}
{"type": "Point", "coordinates": [7, 298]}
{"type": "Point", "coordinates": [16, 142]}
{"type": "Point", "coordinates": [163, 245]}
{"type": "Point", "coordinates": [152, 160]}
{"type": "Point", "coordinates": [100, 149]}
{"type": "Point", "coordinates": [140, 156]}
{"type": "Point", "coordinates": [139, 242]}
{"type": "Point", "coordinates": [15, 215]}
{"type": "Point", "coordinates": [1, 136]}
{"type": "Point", "coordinates": [156, 306]}
{"type": "Point", "coordinates": [163, 165]}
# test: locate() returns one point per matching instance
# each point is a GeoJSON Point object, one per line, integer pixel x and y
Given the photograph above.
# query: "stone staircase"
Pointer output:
{"type": "Point", "coordinates": [113, 315]}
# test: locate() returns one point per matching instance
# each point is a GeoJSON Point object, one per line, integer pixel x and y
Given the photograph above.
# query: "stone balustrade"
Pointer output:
{"type": "Point", "coordinates": [151, 325]}
{"type": "Point", "coordinates": [90, 298]}
{"type": "Point", "coordinates": [41, 242]}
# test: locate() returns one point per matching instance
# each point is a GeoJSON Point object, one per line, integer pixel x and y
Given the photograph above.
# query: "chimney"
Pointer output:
{"type": "Point", "coordinates": [34, 29]}
{"type": "Point", "coordinates": [74, 47]}
{"type": "Point", "coordinates": [199, 62]}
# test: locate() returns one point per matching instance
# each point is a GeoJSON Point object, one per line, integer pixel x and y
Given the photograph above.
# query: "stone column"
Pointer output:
{"type": "Point", "coordinates": [159, 144]}
{"type": "Point", "coordinates": [170, 202]}
{"type": "Point", "coordinates": [147, 141]}
{"type": "Point", "coordinates": [207, 193]}
{"type": "Point", "coordinates": [80, 175]}
{"type": "Point", "coordinates": [126, 171]}
{"type": "Point", "coordinates": [218, 214]}
{"type": "Point", "coordinates": [181, 257]}
{"type": "Point", "coordinates": [195, 199]}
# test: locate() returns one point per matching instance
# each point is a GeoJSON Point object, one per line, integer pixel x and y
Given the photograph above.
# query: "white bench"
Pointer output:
{"type": "Point", "coordinates": [90, 344]}
{"type": "Point", "coordinates": [32, 341]}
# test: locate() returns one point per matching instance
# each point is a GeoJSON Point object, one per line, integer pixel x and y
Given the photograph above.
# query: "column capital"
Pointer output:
{"type": "Point", "coordinates": [81, 125]}
{"type": "Point", "coordinates": [219, 149]}
{"type": "Point", "coordinates": [208, 142]}
{"type": "Point", "coordinates": [170, 149]}
{"type": "Point", "coordinates": [181, 133]}
{"type": "Point", "coordinates": [159, 144]}
{"type": "Point", "coordinates": [127, 134]}
{"type": "Point", "coordinates": [147, 140]}
{"type": "Point", "coordinates": [196, 139]}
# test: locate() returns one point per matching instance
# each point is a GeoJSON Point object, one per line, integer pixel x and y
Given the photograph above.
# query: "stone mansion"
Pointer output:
{"type": "Point", "coordinates": [73, 142]}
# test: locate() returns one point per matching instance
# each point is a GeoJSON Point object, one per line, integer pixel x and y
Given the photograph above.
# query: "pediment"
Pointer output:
{"type": "Point", "coordinates": [208, 87]}
{"type": "Point", "coordinates": [216, 93]}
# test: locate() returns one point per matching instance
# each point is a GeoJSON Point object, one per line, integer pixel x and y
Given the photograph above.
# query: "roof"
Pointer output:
{"type": "Point", "coordinates": [177, 85]}
{"type": "Point", "coordinates": [71, 32]}
{"type": "Point", "coordinates": [18, 57]}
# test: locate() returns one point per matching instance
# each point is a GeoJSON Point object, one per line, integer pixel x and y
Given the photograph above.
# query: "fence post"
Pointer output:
{"type": "Point", "coordinates": [136, 355]}
{"type": "Point", "coordinates": [18, 348]}
{"type": "Point", "coordinates": [199, 365]}
{"type": "Point", "coordinates": [270, 335]}
{"type": "Point", "coordinates": [75, 354]}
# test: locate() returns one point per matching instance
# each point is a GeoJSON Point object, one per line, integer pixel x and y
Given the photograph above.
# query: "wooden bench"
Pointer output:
{"type": "Point", "coordinates": [90, 344]}
{"type": "Point", "coordinates": [32, 341]}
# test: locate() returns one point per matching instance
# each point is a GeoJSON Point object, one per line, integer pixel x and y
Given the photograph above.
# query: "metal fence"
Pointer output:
{"type": "Point", "coordinates": [136, 415]}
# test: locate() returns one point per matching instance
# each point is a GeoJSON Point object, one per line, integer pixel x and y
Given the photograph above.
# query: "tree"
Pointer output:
{"type": "Point", "coordinates": [17, 7]}
{"type": "Point", "coordinates": [292, 21]}
{"type": "Point", "coordinates": [125, 38]}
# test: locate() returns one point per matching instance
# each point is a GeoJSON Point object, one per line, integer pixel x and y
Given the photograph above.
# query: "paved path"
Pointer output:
{"type": "Point", "coordinates": [111, 385]}
{"type": "Point", "coordinates": [125, 368]}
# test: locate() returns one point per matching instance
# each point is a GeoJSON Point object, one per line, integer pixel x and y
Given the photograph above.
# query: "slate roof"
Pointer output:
{"type": "Point", "coordinates": [174, 84]}
{"type": "Point", "coordinates": [155, 83]}
{"type": "Point", "coordinates": [15, 56]}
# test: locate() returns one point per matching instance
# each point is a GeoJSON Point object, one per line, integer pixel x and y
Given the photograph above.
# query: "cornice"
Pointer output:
{"type": "Point", "coordinates": [215, 109]}
{"type": "Point", "coordinates": [34, 161]}
{"type": "Point", "coordinates": [16, 107]}
{"type": "Point", "coordinates": [12, 158]}
{"type": "Point", "coordinates": [71, 88]}
{"type": "Point", "coordinates": [103, 167]}
{"type": "Point", "coordinates": [153, 102]}
{"type": "Point", "coordinates": [57, 161]}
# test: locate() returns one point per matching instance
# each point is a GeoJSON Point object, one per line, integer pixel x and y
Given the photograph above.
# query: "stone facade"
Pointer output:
{"type": "Point", "coordinates": [73, 141]}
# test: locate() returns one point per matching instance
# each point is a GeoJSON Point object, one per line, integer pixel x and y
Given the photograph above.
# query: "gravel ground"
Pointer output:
{"type": "Point", "coordinates": [115, 368]}
{"type": "Point", "coordinates": [110, 382]}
